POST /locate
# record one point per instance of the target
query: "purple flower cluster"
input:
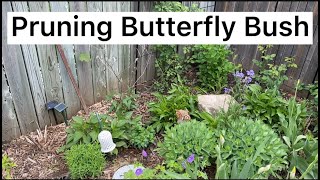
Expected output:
(246, 79)
(144, 153)
(227, 90)
(238, 74)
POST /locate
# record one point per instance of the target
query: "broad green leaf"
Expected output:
(84, 57)
(286, 140)
(78, 119)
(77, 136)
(93, 135)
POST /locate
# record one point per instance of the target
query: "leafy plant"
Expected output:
(85, 160)
(192, 137)
(7, 165)
(163, 110)
(271, 75)
(122, 103)
(264, 104)
(86, 131)
(141, 137)
(296, 141)
(243, 138)
(169, 64)
(224, 170)
(213, 65)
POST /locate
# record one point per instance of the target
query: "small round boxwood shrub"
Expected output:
(182, 140)
(243, 136)
(85, 160)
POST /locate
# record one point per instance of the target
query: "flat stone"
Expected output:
(213, 103)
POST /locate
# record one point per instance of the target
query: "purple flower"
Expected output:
(138, 172)
(144, 153)
(227, 90)
(250, 73)
(184, 165)
(190, 158)
(248, 80)
(239, 74)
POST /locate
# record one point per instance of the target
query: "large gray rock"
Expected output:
(213, 103)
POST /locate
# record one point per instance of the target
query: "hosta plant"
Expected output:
(242, 137)
(85, 160)
(187, 138)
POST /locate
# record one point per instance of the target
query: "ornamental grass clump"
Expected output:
(85, 160)
(192, 137)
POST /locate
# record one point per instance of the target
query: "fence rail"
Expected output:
(33, 75)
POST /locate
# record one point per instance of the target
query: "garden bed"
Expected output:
(41, 161)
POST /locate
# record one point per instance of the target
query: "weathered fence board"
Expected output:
(10, 126)
(34, 75)
(70, 96)
(84, 69)
(18, 79)
(49, 64)
(145, 55)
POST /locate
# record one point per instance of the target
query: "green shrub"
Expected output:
(182, 140)
(122, 103)
(7, 165)
(169, 64)
(242, 137)
(264, 104)
(85, 160)
(86, 131)
(213, 65)
(271, 75)
(141, 137)
(163, 110)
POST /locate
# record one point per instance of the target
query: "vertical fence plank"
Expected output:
(34, 74)
(98, 61)
(10, 126)
(84, 69)
(18, 79)
(70, 95)
(133, 51)
(49, 65)
(125, 51)
(112, 54)
(299, 52)
(146, 58)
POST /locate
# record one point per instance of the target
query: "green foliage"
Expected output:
(264, 104)
(213, 65)
(224, 170)
(85, 160)
(271, 75)
(141, 137)
(122, 103)
(86, 131)
(163, 110)
(169, 64)
(182, 140)
(7, 165)
(85, 57)
(81, 131)
(243, 137)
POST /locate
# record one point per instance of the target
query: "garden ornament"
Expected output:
(119, 174)
(105, 139)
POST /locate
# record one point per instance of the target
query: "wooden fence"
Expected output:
(33, 75)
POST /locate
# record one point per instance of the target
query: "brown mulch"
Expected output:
(35, 153)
